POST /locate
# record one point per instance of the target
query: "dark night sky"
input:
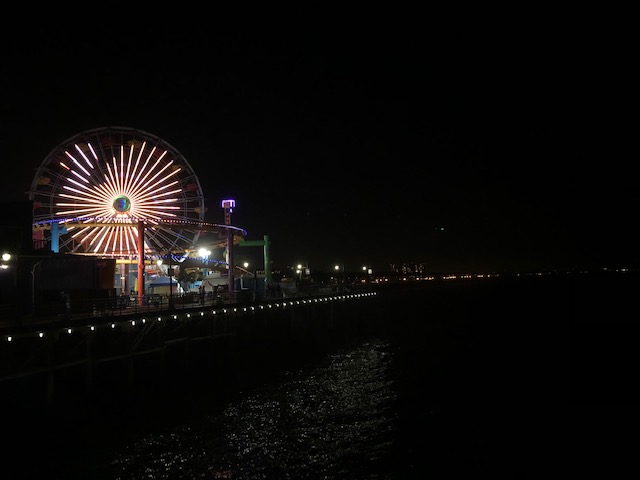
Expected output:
(356, 144)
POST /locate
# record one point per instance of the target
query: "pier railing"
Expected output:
(59, 358)
(125, 305)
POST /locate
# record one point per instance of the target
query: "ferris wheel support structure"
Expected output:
(141, 261)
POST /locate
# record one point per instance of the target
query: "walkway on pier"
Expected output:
(99, 311)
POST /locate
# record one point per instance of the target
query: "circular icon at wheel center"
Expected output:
(122, 204)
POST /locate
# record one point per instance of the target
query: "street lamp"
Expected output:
(204, 253)
(5, 259)
(337, 269)
(246, 266)
(299, 272)
(255, 280)
(368, 271)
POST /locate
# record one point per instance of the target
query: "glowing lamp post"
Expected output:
(246, 265)
(204, 253)
(368, 271)
(5, 261)
(5, 265)
(337, 269)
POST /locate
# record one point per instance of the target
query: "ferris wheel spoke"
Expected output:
(171, 236)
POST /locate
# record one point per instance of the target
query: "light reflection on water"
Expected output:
(334, 420)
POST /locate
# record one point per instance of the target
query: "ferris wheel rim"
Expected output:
(187, 205)
(97, 130)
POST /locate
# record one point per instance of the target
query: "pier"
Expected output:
(38, 362)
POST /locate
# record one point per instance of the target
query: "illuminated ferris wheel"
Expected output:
(92, 190)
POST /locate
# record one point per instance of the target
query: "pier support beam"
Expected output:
(56, 231)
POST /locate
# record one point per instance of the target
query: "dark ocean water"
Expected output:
(440, 381)
(602, 417)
